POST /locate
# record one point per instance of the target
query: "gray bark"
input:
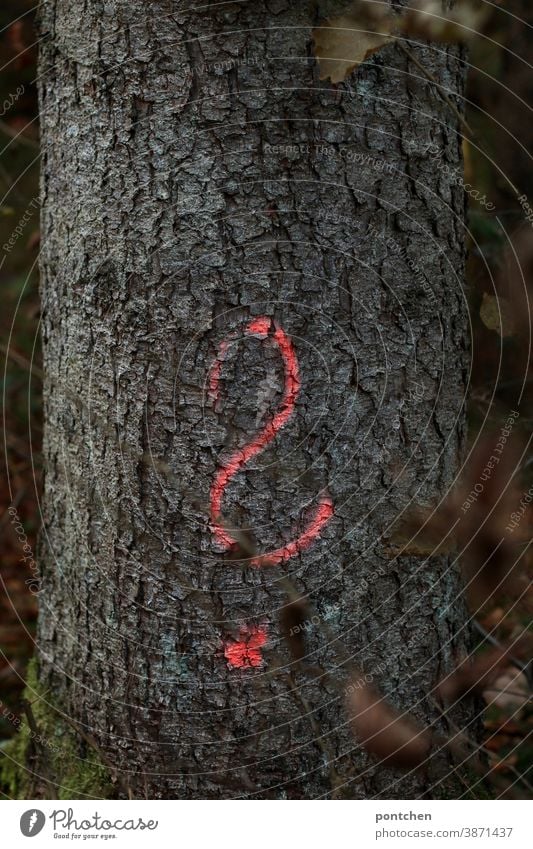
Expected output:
(167, 224)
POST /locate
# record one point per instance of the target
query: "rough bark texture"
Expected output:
(168, 222)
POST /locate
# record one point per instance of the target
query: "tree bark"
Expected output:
(197, 175)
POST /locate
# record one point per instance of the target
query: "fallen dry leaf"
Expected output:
(497, 314)
(395, 739)
(516, 278)
(474, 674)
(343, 43)
(426, 19)
(509, 690)
(473, 520)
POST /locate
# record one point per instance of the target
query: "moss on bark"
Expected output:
(51, 760)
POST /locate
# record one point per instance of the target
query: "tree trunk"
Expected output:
(235, 250)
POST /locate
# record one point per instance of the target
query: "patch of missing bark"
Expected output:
(55, 764)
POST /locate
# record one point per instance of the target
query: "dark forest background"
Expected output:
(499, 91)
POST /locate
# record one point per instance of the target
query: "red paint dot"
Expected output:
(246, 651)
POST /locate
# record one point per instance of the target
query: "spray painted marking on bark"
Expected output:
(265, 329)
(246, 651)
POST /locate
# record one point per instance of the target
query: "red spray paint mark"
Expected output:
(320, 517)
(246, 651)
(266, 329)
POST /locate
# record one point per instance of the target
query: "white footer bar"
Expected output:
(268, 824)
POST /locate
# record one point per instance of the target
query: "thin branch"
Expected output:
(464, 123)
(89, 739)
(18, 137)
(21, 361)
(15, 503)
(475, 746)
(36, 735)
(523, 667)
(334, 776)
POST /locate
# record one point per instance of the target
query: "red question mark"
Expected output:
(265, 329)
